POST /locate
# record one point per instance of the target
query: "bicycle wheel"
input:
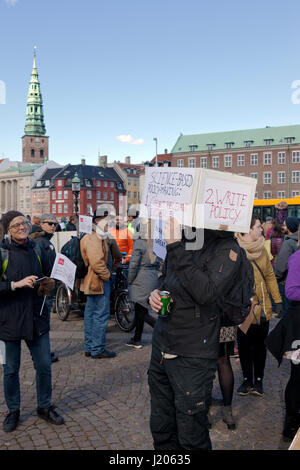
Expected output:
(63, 302)
(124, 312)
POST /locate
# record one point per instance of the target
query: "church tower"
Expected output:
(35, 141)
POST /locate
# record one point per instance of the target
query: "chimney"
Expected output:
(127, 160)
(166, 150)
(83, 161)
(102, 161)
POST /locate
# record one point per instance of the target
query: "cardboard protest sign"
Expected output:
(159, 244)
(64, 270)
(199, 197)
(85, 224)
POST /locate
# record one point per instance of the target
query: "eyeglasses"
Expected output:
(51, 223)
(17, 226)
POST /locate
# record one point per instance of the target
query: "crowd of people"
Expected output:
(190, 344)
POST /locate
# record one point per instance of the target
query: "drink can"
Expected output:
(165, 299)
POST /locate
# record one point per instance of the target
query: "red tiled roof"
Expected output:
(161, 157)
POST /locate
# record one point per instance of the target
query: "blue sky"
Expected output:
(146, 68)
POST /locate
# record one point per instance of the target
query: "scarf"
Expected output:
(253, 249)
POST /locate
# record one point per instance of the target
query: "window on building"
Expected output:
(134, 195)
(59, 194)
(254, 159)
(98, 183)
(59, 183)
(32, 153)
(87, 183)
(280, 193)
(295, 193)
(281, 177)
(129, 181)
(66, 208)
(267, 159)
(53, 208)
(268, 141)
(296, 157)
(53, 194)
(98, 195)
(229, 145)
(210, 147)
(241, 160)
(215, 162)
(295, 176)
(111, 196)
(180, 163)
(267, 178)
(203, 162)
(47, 183)
(89, 209)
(281, 158)
(248, 143)
(254, 175)
(105, 196)
(193, 148)
(256, 195)
(227, 161)
(129, 194)
(289, 140)
(267, 194)
(135, 182)
(105, 184)
(192, 162)
(89, 194)
(42, 153)
(66, 195)
(112, 184)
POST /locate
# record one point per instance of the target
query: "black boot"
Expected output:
(291, 425)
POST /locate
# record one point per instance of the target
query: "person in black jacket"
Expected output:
(71, 225)
(42, 239)
(23, 315)
(186, 342)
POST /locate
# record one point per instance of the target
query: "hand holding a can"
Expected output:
(160, 302)
(154, 300)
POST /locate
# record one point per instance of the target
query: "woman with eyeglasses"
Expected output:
(24, 316)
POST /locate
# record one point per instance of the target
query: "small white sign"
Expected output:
(85, 224)
(64, 270)
(159, 244)
(2, 353)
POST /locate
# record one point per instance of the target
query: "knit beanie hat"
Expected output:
(8, 217)
(292, 224)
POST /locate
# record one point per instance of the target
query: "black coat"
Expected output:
(71, 227)
(43, 240)
(196, 279)
(20, 309)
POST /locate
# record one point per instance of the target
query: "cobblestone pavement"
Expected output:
(106, 403)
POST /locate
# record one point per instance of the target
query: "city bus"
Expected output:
(266, 207)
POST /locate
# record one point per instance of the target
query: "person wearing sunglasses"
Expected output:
(48, 225)
(23, 316)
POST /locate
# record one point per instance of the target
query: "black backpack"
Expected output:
(71, 250)
(235, 305)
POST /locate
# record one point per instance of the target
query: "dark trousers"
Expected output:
(141, 316)
(252, 350)
(40, 353)
(285, 301)
(292, 391)
(180, 391)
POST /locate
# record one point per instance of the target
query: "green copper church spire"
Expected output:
(34, 113)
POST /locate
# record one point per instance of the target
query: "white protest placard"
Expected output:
(199, 197)
(64, 270)
(159, 244)
(2, 353)
(85, 224)
(168, 192)
(227, 200)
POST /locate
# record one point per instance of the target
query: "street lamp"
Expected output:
(154, 138)
(76, 190)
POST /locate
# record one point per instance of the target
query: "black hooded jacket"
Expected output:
(20, 309)
(196, 280)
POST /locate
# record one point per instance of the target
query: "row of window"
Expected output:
(64, 209)
(89, 183)
(33, 153)
(248, 143)
(65, 195)
(134, 182)
(281, 177)
(267, 160)
(135, 194)
(268, 194)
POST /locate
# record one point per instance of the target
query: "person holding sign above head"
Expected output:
(185, 342)
(252, 350)
(24, 315)
(96, 286)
